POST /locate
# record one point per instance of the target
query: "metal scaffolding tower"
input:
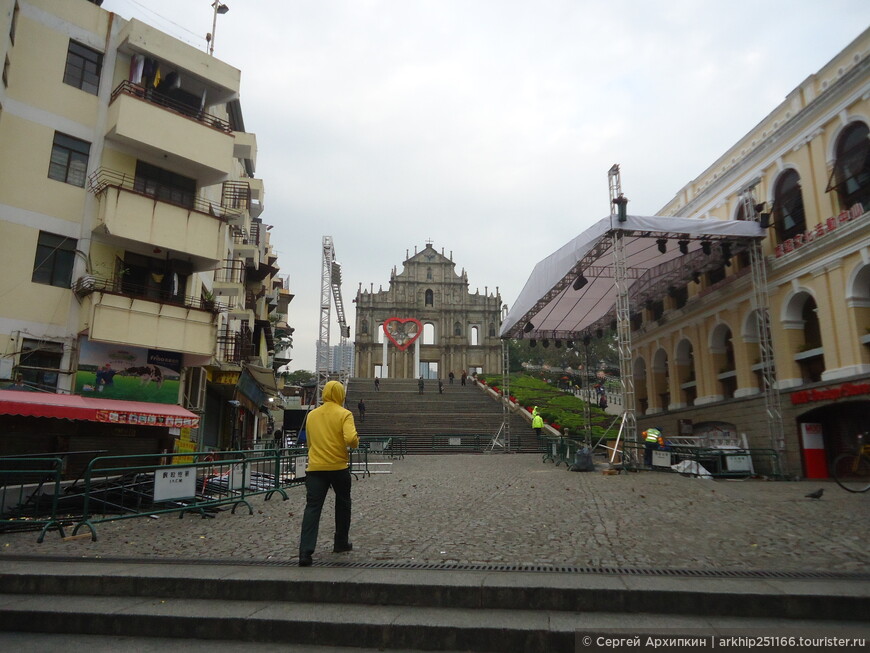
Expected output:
(330, 291)
(628, 429)
(761, 302)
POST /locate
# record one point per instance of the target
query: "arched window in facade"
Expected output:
(788, 206)
(381, 333)
(430, 297)
(364, 327)
(492, 329)
(474, 336)
(801, 314)
(457, 329)
(851, 176)
(428, 333)
(429, 274)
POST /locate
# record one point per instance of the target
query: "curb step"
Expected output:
(402, 609)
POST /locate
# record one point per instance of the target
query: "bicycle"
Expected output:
(851, 471)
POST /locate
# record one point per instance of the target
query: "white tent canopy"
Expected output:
(550, 307)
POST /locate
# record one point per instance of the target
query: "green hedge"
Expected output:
(556, 407)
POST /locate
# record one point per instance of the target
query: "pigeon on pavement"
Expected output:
(816, 495)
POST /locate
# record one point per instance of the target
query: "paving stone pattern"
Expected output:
(515, 509)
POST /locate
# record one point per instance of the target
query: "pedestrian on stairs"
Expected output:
(451, 376)
(331, 432)
(377, 384)
(537, 423)
(440, 387)
(420, 384)
(463, 378)
(361, 407)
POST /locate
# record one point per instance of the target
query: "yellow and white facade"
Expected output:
(129, 211)
(696, 359)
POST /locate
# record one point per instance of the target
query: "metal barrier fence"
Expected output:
(157, 484)
(121, 487)
(391, 447)
(29, 491)
(560, 450)
(703, 461)
(473, 442)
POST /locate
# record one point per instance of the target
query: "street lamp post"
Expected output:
(219, 8)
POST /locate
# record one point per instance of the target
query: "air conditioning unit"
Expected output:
(194, 389)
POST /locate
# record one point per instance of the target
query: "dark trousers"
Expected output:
(648, 448)
(317, 485)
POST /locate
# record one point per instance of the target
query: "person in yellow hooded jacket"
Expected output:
(331, 432)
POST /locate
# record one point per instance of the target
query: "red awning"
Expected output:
(114, 411)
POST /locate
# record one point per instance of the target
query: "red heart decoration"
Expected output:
(401, 335)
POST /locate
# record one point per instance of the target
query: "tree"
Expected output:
(299, 377)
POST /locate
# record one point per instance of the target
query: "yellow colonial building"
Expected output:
(697, 365)
(137, 267)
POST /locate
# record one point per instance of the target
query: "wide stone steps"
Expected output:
(427, 420)
(404, 609)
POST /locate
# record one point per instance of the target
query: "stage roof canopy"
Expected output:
(550, 303)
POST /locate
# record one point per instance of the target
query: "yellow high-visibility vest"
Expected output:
(652, 435)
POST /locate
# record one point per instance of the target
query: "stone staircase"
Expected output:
(462, 419)
(371, 608)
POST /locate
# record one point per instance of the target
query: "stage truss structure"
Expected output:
(330, 292)
(635, 286)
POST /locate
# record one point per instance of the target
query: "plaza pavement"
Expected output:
(514, 509)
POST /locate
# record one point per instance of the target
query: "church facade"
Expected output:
(434, 325)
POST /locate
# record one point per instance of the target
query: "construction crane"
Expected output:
(330, 292)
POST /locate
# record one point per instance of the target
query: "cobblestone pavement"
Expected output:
(517, 510)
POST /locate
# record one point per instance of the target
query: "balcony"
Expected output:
(120, 313)
(221, 79)
(245, 147)
(148, 121)
(246, 245)
(229, 279)
(237, 195)
(234, 347)
(188, 225)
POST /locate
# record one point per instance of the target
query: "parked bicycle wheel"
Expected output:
(852, 472)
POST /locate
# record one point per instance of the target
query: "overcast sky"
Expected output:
(488, 126)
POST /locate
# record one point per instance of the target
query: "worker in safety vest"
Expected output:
(651, 438)
(537, 423)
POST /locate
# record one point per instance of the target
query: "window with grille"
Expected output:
(53, 263)
(83, 67)
(851, 174)
(788, 206)
(69, 160)
(40, 363)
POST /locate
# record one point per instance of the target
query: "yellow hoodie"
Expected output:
(330, 431)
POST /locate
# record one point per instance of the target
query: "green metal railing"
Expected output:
(122, 487)
(558, 449)
(29, 491)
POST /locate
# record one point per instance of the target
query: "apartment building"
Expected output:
(138, 267)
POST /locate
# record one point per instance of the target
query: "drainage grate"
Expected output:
(432, 566)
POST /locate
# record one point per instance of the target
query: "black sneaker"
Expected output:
(305, 560)
(342, 548)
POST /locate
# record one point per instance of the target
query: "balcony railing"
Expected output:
(104, 178)
(232, 271)
(153, 97)
(234, 346)
(117, 286)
